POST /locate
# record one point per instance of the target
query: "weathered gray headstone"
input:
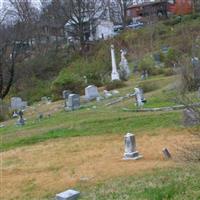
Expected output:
(130, 148)
(73, 102)
(196, 68)
(66, 94)
(91, 92)
(17, 103)
(190, 117)
(68, 195)
(21, 120)
(166, 153)
(44, 99)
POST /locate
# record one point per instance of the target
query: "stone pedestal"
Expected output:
(130, 148)
(114, 74)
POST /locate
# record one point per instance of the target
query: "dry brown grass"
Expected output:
(53, 166)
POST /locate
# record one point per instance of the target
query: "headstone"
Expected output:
(165, 49)
(21, 120)
(15, 115)
(157, 58)
(107, 94)
(40, 116)
(166, 153)
(24, 104)
(91, 92)
(44, 99)
(73, 102)
(99, 98)
(17, 103)
(130, 148)
(68, 195)
(66, 93)
(124, 68)
(115, 92)
(190, 117)
(144, 75)
(114, 74)
(196, 68)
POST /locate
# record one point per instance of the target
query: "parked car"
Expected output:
(136, 25)
(118, 28)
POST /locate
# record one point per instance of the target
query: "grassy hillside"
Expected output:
(55, 71)
(83, 149)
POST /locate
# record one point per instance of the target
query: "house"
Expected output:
(147, 8)
(142, 8)
(99, 27)
(180, 7)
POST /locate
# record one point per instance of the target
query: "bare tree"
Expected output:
(83, 17)
(118, 10)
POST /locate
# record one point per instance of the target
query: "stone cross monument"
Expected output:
(114, 74)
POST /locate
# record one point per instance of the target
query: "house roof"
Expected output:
(147, 4)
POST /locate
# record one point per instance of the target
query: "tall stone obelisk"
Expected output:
(115, 74)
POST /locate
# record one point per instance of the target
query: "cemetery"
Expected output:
(119, 121)
(90, 143)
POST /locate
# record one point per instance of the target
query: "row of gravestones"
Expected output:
(72, 101)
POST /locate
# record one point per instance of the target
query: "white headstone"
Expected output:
(91, 92)
(68, 195)
(130, 148)
(114, 74)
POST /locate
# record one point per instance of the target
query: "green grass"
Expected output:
(171, 184)
(84, 122)
(99, 121)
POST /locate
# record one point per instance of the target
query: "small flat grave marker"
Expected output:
(68, 195)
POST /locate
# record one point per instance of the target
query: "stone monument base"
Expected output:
(132, 156)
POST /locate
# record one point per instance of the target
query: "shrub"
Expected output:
(168, 71)
(173, 21)
(67, 80)
(114, 85)
(170, 58)
(147, 63)
(148, 86)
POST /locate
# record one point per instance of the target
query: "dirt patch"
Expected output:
(53, 166)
